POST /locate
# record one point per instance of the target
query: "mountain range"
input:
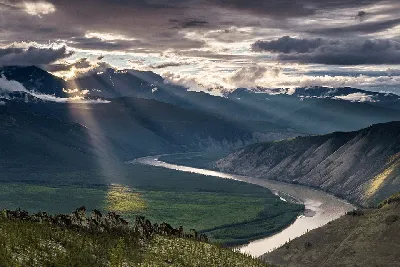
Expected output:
(121, 115)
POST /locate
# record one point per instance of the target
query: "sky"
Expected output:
(211, 45)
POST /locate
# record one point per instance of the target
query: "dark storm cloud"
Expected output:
(190, 23)
(168, 64)
(99, 44)
(32, 56)
(148, 20)
(290, 8)
(364, 28)
(82, 63)
(287, 45)
(333, 52)
(361, 15)
(155, 26)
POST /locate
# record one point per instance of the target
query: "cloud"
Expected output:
(7, 86)
(94, 68)
(288, 45)
(95, 43)
(363, 28)
(189, 23)
(333, 52)
(39, 8)
(32, 56)
(82, 63)
(356, 97)
(276, 77)
(168, 64)
(290, 9)
(252, 76)
(213, 36)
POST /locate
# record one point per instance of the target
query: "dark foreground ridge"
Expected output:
(105, 240)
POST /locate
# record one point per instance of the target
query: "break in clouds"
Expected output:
(209, 44)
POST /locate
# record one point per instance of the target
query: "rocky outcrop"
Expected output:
(361, 166)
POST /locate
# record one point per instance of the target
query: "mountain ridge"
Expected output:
(360, 166)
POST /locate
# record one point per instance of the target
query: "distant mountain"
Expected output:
(313, 110)
(361, 238)
(340, 93)
(320, 110)
(131, 127)
(361, 166)
(35, 79)
(271, 113)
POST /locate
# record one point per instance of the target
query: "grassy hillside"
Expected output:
(361, 238)
(104, 241)
(360, 166)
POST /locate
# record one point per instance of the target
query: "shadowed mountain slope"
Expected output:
(361, 166)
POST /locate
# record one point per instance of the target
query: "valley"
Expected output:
(229, 212)
(281, 156)
(320, 208)
(205, 133)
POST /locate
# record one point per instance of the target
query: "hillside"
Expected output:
(361, 166)
(131, 127)
(105, 240)
(32, 140)
(361, 238)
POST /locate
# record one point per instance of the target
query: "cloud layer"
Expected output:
(31, 56)
(231, 43)
(333, 52)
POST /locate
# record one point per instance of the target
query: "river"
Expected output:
(321, 207)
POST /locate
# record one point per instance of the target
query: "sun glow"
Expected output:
(107, 36)
(381, 179)
(39, 8)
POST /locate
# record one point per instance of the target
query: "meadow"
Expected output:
(230, 212)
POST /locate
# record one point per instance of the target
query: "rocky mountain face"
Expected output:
(361, 166)
(360, 238)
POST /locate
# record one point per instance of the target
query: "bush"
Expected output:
(355, 213)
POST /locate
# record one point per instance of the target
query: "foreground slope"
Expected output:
(105, 240)
(360, 238)
(361, 166)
